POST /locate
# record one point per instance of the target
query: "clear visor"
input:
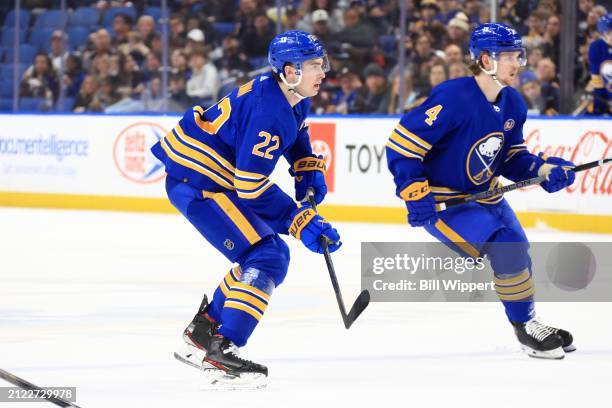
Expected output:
(315, 64)
(518, 56)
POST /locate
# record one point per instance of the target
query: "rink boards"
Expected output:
(103, 162)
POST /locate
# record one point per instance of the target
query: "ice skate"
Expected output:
(197, 337)
(231, 372)
(541, 341)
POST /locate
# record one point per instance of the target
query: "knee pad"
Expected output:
(268, 260)
(508, 252)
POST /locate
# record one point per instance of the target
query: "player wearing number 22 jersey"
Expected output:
(465, 136)
(218, 163)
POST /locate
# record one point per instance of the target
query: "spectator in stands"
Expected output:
(515, 12)
(135, 47)
(102, 45)
(378, 19)
(320, 25)
(73, 75)
(342, 99)
(245, 16)
(178, 91)
(535, 24)
(373, 97)
(546, 73)
(131, 80)
(356, 33)
(453, 53)
(152, 67)
(539, 100)
(430, 11)
(334, 15)
(177, 37)
(459, 31)
(230, 59)
(195, 40)
(437, 75)
(40, 80)
(122, 25)
(473, 8)
(86, 99)
(551, 41)
(423, 58)
(100, 66)
(107, 94)
(257, 38)
(395, 105)
(146, 28)
(204, 82)
(58, 51)
(292, 19)
(534, 56)
(457, 70)
(178, 64)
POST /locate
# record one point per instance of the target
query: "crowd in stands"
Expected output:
(108, 54)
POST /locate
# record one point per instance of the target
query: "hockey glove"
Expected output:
(308, 226)
(309, 172)
(420, 203)
(559, 173)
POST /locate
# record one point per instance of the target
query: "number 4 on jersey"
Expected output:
(432, 114)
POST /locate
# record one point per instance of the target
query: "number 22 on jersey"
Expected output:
(432, 114)
(268, 139)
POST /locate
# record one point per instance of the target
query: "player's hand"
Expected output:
(309, 173)
(420, 203)
(559, 173)
(309, 227)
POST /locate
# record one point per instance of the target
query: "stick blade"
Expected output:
(363, 300)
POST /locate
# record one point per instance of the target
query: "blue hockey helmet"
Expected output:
(495, 38)
(604, 24)
(295, 47)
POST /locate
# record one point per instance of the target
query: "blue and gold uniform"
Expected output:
(218, 163)
(456, 144)
(600, 65)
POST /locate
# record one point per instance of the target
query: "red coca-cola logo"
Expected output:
(592, 145)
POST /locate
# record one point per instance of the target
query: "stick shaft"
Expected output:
(525, 183)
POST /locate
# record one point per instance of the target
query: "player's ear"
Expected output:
(288, 69)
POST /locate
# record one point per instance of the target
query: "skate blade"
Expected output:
(555, 354)
(219, 380)
(569, 349)
(194, 357)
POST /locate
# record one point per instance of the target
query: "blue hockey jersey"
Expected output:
(461, 143)
(600, 63)
(235, 145)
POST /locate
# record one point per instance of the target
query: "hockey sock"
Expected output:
(243, 308)
(216, 306)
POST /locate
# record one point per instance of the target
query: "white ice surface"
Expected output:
(98, 301)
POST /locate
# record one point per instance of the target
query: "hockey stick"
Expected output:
(510, 187)
(362, 301)
(26, 385)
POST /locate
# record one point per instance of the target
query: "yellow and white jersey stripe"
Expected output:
(251, 185)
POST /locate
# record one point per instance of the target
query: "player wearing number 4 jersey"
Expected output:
(218, 162)
(464, 136)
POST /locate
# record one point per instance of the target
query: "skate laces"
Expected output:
(538, 330)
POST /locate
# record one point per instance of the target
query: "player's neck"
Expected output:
(487, 85)
(292, 98)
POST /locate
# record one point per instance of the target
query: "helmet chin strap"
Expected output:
(293, 87)
(493, 74)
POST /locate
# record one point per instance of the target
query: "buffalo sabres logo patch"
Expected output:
(509, 125)
(481, 160)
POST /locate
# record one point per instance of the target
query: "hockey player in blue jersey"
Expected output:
(600, 65)
(465, 136)
(218, 162)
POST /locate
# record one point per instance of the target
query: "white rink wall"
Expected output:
(103, 162)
